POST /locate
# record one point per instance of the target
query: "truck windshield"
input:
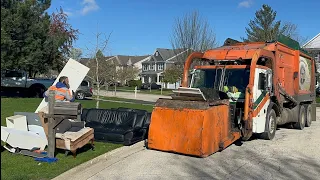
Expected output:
(231, 81)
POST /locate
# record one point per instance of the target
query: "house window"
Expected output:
(160, 67)
(145, 67)
(151, 66)
(157, 53)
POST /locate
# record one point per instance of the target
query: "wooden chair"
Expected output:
(70, 135)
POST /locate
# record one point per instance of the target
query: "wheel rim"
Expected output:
(80, 95)
(309, 115)
(271, 125)
(303, 120)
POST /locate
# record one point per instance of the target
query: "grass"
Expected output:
(19, 167)
(165, 92)
(318, 99)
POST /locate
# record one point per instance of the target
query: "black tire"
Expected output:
(271, 126)
(308, 115)
(80, 95)
(37, 91)
(301, 119)
(146, 143)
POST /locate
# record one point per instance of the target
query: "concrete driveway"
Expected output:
(293, 154)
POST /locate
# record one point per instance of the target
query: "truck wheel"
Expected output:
(80, 95)
(271, 126)
(301, 119)
(37, 91)
(308, 115)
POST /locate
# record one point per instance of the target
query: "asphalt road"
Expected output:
(293, 154)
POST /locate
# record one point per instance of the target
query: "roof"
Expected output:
(314, 43)
(85, 61)
(168, 53)
(125, 60)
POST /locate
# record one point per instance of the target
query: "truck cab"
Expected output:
(232, 81)
(17, 81)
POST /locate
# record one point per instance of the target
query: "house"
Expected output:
(313, 46)
(156, 64)
(122, 61)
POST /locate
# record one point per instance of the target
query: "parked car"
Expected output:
(18, 81)
(84, 90)
(152, 85)
(318, 91)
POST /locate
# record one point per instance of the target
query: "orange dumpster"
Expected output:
(190, 127)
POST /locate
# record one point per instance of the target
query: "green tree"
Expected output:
(265, 27)
(25, 26)
(31, 39)
(172, 74)
(75, 53)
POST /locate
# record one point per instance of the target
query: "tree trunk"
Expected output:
(98, 96)
(98, 83)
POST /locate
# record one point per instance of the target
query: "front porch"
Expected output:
(157, 78)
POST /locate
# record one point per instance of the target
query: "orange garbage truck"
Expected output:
(233, 92)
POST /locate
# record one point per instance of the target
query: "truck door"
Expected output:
(261, 101)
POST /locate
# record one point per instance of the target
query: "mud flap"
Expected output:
(314, 111)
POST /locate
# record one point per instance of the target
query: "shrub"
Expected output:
(134, 83)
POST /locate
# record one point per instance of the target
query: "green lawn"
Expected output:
(318, 99)
(19, 167)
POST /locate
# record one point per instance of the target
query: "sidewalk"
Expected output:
(130, 95)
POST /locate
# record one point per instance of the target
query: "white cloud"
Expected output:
(245, 4)
(68, 13)
(89, 5)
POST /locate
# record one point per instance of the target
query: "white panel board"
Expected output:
(75, 71)
(22, 139)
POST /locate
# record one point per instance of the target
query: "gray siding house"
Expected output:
(153, 68)
(314, 46)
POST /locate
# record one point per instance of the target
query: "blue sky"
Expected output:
(140, 26)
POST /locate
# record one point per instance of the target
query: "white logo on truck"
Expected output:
(305, 76)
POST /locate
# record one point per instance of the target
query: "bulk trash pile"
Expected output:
(24, 133)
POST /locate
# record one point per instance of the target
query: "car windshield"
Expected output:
(231, 81)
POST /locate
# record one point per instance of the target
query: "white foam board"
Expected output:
(22, 139)
(18, 122)
(75, 71)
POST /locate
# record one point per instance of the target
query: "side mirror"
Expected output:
(295, 75)
(262, 84)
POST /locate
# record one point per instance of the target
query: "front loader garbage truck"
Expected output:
(238, 90)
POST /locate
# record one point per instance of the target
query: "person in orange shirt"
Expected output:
(62, 90)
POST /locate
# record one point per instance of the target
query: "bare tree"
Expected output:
(291, 30)
(75, 53)
(192, 32)
(127, 73)
(99, 67)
